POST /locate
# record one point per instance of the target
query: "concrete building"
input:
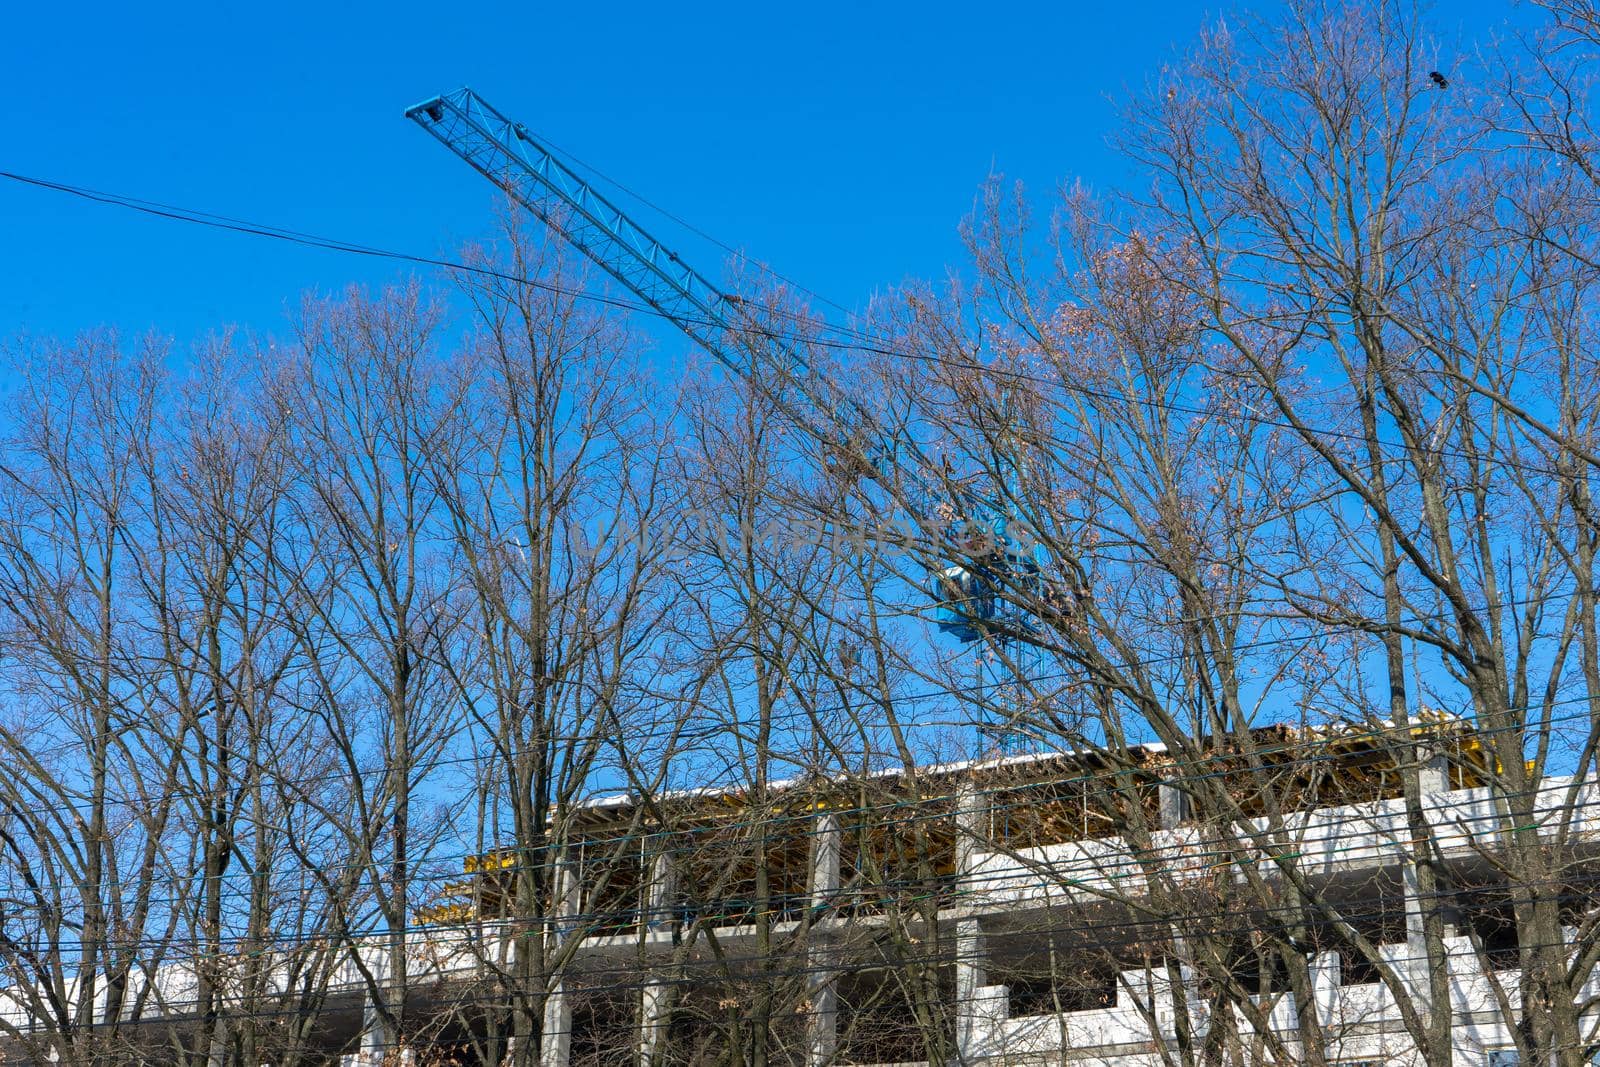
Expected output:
(996, 912)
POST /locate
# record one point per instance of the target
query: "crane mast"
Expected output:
(529, 172)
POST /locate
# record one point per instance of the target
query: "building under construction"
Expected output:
(1028, 909)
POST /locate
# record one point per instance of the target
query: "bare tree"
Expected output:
(87, 799)
(365, 561)
(1302, 431)
(550, 469)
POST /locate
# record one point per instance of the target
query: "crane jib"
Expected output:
(504, 151)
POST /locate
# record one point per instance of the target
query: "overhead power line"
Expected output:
(856, 340)
(1255, 918)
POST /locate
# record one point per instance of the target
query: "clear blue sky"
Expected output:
(840, 142)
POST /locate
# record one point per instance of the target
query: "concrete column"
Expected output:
(219, 1043)
(1173, 808)
(655, 999)
(555, 1035)
(972, 834)
(376, 1044)
(1325, 978)
(1434, 774)
(1414, 906)
(824, 874)
(1417, 966)
(1434, 779)
(822, 1025)
(1174, 805)
(376, 1037)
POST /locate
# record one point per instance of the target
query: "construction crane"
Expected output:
(970, 604)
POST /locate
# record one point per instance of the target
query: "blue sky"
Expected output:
(841, 143)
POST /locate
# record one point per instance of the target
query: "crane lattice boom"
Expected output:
(530, 173)
(508, 155)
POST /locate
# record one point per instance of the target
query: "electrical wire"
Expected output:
(807, 715)
(1163, 925)
(1274, 922)
(1197, 854)
(864, 345)
(1129, 929)
(282, 234)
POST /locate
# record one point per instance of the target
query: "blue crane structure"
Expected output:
(968, 593)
